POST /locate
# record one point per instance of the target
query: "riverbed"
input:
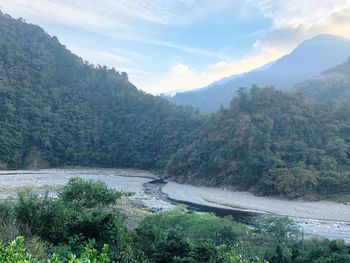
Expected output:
(130, 182)
(321, 218)
(327, 219)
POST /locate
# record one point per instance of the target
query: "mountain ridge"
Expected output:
(332, 85)
(308, 59)
(58, 110)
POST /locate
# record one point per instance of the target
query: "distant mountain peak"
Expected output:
(321, 40)
(325, 37)
(307, 60)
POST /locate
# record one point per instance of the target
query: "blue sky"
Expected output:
(169, 45)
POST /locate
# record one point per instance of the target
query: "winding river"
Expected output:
(326, 219)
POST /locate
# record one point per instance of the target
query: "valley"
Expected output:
(97, 164)
(323, 219)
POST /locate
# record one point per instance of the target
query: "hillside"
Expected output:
(330, 85)
(272, 143)
(309, 59)
(59, 110)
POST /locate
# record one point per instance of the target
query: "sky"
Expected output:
(167, 46)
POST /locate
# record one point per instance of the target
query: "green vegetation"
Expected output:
(16, 252)
(59, 110)
(195, 227)
(83, 220)
(38, 229)
(332, 85)
(83, 215)
(273, 143)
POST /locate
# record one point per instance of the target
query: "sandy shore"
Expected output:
(326, 219)
(127, 181)
(321, 210)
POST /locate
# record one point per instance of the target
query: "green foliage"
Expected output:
(57, 109)
(230, 255)
(280, 228)
(58, 229)
(324, 251)
(195, 226)
(69, 225)
(88, 194)
(331, 86)
(16, 252)
(73, 220)
(282, 234)
(8, 227)
(179, 236)
(271, 142)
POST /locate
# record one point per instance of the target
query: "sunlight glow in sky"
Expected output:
(177, 45)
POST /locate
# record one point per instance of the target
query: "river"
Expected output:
(158, 195)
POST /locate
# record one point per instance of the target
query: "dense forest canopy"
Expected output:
(271, 142)
(57, 109)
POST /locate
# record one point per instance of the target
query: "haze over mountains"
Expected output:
(330, 85)
(309, 59)
(58, 110)
(65, 119)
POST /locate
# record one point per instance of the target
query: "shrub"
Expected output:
(88, 194)
(16, 252)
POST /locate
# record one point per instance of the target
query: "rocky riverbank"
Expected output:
(324, 218)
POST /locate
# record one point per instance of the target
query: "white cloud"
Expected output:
(181, 77)
(157, 11)
(181, 69)
(197, 51)
(58, 12)
(292, 13)
(292, 22)
(297, 20)
(103, 14)
(115, 18)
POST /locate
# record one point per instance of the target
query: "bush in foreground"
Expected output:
(16, 252)
(83, 220)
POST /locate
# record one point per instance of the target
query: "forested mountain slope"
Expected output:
(273, 143)
(58, 110)
(331, 85)
(309, 59)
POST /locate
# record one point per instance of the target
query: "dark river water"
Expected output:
(154, 188)
(310, 227)
(150, 192)
(244, 217)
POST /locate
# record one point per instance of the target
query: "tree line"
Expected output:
(58, 110)
(272, 143)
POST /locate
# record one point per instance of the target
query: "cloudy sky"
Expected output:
(173, 45)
